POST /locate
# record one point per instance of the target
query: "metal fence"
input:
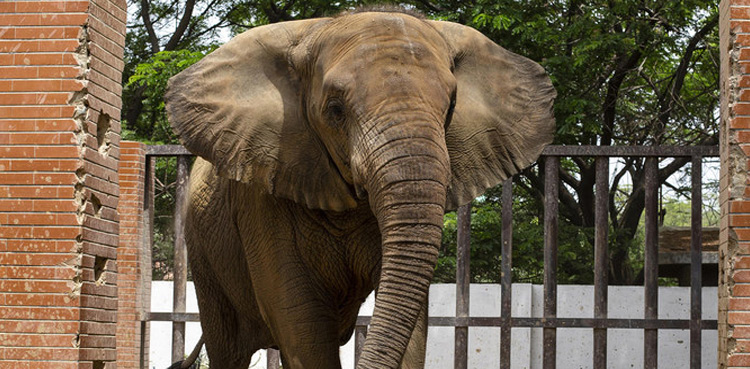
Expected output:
(549, 322)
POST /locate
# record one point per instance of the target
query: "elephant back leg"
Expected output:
(226, 343)
(232, 326)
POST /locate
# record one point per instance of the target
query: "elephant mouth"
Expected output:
(360, 191)
(353, 186)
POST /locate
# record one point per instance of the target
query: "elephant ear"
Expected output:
(503, 117)
(240, 109)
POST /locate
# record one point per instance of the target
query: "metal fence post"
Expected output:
(463, 279)
(551, 194)
(180, 258)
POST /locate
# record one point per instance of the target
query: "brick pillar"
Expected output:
(60, 86)
(734, 251)
(133, 258)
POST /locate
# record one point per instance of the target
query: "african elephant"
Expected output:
(329, 151)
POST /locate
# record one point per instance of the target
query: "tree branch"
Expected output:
(670, 97)
(146, 17)
(624, 65)
(182, 26)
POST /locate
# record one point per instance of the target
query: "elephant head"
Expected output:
(414, 116)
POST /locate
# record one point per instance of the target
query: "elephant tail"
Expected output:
(190, 360)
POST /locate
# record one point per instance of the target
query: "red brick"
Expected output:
(742, 262)
(739, 13)
(31, 219)
(34, 192)
(743, 234)
(67, 125)
(67, 138)
(47, 327)
(741, 290)
(741, 332)
(52, 98)
(34, 340)
(738, 360)
(20, 19)
(57, 353)
(740, 122)
(46, 165)
(19, 46)
(13, 72)
(34, 112)
(39, 313)
(77, 6)
(39, 59)
(743, 136)
(37, 272)
(35, 259)
(56, 232)
(47, 32)
(739, 206)
(738, 317)
(16, 152)
(60, 72)
(43, 246)
(40, 7)
(55, 178)
(56, 152)
(54, 205)
(739, 26)
(739, 220)
(738, 303)
(35, 286)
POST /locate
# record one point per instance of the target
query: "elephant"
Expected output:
(328, 152)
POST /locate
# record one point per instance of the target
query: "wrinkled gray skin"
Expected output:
(330, 151)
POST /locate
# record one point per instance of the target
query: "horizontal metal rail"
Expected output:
(553, 150)
(500, 322)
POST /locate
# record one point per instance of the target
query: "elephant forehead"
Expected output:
(376, 32)
(392, 48)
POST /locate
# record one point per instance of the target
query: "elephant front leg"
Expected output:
(302, 324)
(307, 346)
(414, 357)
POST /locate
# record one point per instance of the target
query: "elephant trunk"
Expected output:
(407, 193)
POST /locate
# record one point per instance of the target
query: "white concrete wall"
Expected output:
(574, 345)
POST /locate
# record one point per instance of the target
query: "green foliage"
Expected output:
(152, 76)
(165, 184)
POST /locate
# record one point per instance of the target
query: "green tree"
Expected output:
(627, 73)
(630, 72)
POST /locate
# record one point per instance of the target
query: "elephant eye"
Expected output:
(335, 112)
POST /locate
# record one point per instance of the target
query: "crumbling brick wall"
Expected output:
(60, 87)
(133, 258)
(734, 250)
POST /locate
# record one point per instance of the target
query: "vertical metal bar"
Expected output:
(142, 349)
(272, 359)
(360, 334)
(180, 258)
(506, 277)
(651, 263)
(601, 259)
(463, 277)
(551, 193)
(148, 246)
(696, 245)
